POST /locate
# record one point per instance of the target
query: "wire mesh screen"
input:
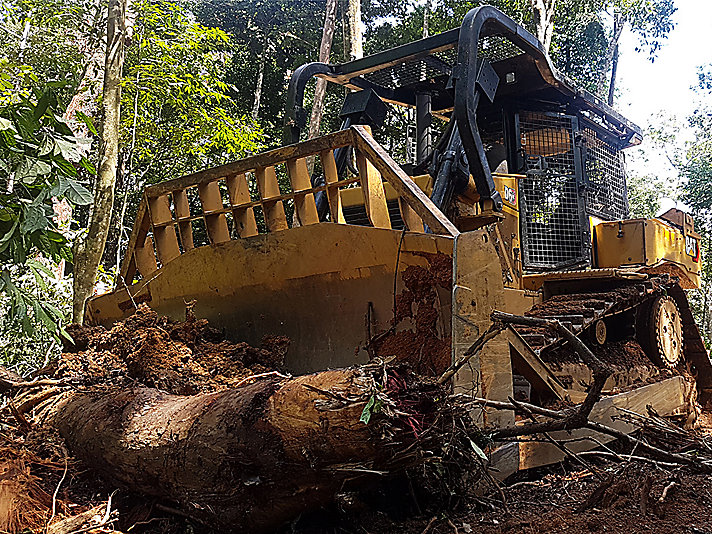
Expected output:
(604, 165)
(440, 63)
(549, 195)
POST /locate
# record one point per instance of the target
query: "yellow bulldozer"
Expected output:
(501, 186)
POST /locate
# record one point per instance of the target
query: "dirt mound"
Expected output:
(183, 358)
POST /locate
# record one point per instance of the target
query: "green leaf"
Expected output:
(87, 120)
(478, 451)
(66, 167)
(5, 240)
(88, 165)
(77, 193)
(68, 149)
(34, 219)
(47, 146)
(45, 100)
(366, 413)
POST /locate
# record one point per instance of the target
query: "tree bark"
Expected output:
(355, 30)
(426, 19)
(619, 21)
(327, 37)
(246, 459)
(543, 11)
(90, 248)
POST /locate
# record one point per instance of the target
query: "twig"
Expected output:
(251, 377)
(17, 414)
(395, 273)
(666, 489)
(56, 492)
(9, 385)
(104, 520)
(645, 494)
(430, 524)
(556, 443)
(629, 458)
(681, 458)
(449, 522)
(475, 348)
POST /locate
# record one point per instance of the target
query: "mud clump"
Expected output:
(183, 358)
(417, 334)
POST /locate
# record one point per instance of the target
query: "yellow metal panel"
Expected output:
(646, 242)
(508, 187)
(621, 243)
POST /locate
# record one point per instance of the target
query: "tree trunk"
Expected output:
(355, 30)
(543, 11)
(90, 248)
(426, 19)
(327, 38)
(246, 459)
(611, 54)
(614, 71)
(260, 78)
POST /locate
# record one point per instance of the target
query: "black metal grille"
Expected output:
(606, 194)
(414, 71)
(356, 214)
(497, 48)
(438, 64)
(550, 205)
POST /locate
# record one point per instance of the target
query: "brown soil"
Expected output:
(551, 500)
(553, 504)
(183, 358)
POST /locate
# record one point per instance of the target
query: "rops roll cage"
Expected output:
(490, 48)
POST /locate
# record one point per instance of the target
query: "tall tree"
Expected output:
(327, 39)
(90, 248)
(355, 30)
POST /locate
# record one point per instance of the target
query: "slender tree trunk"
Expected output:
(611, 54)
(260, 78)
(355, 30)
(90, 248)
(25, 37)
(426, 19)
(614, 71)
(327, 37)
(543, 11)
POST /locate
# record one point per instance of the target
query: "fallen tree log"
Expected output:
(217, 431)
(249, 458)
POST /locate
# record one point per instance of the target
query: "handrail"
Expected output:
(251, 194)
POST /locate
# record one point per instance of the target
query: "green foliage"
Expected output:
(40, 160)
(22, 352)
(645, 193)
(650, 20)
(55, 37)
(177, 115)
